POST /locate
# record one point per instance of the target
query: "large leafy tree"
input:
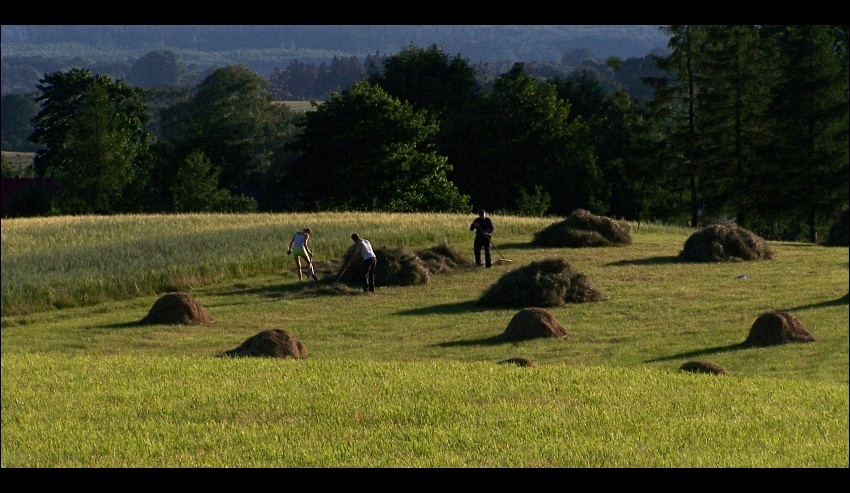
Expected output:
(607, 116)
(195, 188)
(17, 112)
(519, 139)
(95, 140)
(158, 68)
(427, 78)
(366, 150)
(232, 119)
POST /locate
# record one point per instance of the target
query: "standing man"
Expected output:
(299, 245)
(483, 227)
(363, 250)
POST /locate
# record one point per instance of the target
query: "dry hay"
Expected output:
(272, 343)
(718, 242)
(442, 259)
(550, 282)
(583, 229)
(703, 367)
(838, 232)
(403, 267)
(774, 328)
(523, 362)
(177, 308)
(531, 323)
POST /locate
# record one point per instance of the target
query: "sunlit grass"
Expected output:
(408, 376)
(131, 411)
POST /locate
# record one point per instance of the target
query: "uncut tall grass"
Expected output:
(60, 262)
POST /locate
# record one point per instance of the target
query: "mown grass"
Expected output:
(407, 377)
(131, 411)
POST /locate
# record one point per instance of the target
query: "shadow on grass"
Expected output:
(823, 304)
(125, 325)
(669, 259)
(514, 246)
(700, 352)
(306, 289)
(486, 341)
(470, 306)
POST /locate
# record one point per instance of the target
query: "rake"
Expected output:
(501, 260)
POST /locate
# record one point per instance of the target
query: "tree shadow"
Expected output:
(700, 352)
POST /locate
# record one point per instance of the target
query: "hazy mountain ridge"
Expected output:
(487, 43)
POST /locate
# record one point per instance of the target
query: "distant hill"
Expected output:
(263, 47)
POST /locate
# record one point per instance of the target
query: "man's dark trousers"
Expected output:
(482, 241)
(367, 273)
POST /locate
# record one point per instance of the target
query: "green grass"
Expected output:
(407, 377)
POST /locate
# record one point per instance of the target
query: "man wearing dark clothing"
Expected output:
(483, 227)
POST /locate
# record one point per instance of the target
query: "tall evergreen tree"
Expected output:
(735, 77)
(808, 155)
(676, 110)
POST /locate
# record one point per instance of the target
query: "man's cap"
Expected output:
(481, 212)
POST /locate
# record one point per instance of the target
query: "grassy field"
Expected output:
(407, 376)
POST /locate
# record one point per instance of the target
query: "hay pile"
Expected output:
(774, 328)
(442, 259)
(838, 232)
(531, 323)
(583, 229)
(702, 367)
(404, 267)
(718, 242)
(550, 282)
(177, 308)
(272, 343)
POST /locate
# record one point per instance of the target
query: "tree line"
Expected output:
(302, 80)
(745, 122)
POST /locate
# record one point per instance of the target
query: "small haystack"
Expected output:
(523, 362)
(718, 242)
(551, 282)
(583, 229)
(838, 232)
(774, 328)
(531, 323)
(273, 343)
(702, 367)
(177, 308)
(442, 259)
